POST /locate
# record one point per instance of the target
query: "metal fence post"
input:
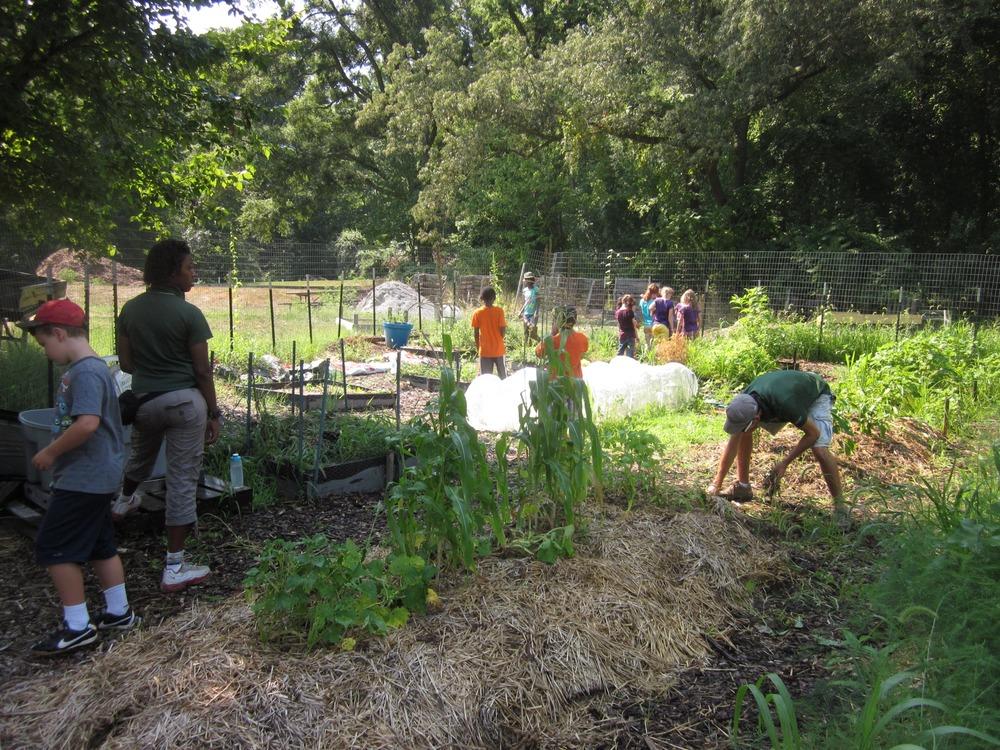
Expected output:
(270, 304)
(899, 313)
(309, 307)
(231, 333)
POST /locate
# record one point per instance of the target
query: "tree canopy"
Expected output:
(484, 126)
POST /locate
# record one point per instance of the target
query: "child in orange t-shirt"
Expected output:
(576, 345)
(489, 326)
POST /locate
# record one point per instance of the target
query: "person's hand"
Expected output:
(772, 482)
(212, 431)
(43, 460)
(711, 490)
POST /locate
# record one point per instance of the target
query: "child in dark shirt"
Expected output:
(627, 326)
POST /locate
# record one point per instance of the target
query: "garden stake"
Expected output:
(343, 366)
(899, 313)
(399, 358)
(309, 308)
(270, 304)
(86, 296)
(340, 308)
(230, 313)
(947, 408)
(293, 379)
(302, 404)
(373, 301)
(322, 422)
(454, 299)
(420, 311)
(822, 320)
(50, 366)
(458, 368)
(114, 302)
(249, 400)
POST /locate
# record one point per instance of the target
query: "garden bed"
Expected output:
(428, 383)
(358, 400)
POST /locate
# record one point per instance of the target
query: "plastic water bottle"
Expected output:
(235, 471)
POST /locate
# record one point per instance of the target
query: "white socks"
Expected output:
(76, 616)
(115, 600)
(175, 560)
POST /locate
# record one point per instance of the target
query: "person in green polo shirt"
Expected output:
(771, 401)
(163, 342)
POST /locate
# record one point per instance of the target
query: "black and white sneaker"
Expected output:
(66, 640)
(127, 621)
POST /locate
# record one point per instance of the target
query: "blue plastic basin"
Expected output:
(397, 334)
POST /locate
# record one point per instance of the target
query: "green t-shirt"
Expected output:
(787, 395)
(161, 327)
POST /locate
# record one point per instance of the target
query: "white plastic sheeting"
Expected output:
(617, 389)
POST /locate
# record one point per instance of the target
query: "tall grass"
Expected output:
(24, 381)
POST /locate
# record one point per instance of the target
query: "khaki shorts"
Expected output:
(180, 417)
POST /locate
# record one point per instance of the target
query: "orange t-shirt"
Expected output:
(576, 346)
(489, 321)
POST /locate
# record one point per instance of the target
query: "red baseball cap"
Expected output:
(57, 312)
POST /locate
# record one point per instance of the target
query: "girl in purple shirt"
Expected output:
(688, 315)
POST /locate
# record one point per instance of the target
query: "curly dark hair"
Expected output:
(164, 260)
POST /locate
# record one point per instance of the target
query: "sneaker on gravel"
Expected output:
(741, 493)
(65, 640)
(185, 575)
(127, 621)
(124, 505)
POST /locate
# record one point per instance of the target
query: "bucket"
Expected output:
(397, 334)
(36, 426)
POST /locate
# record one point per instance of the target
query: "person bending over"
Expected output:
(772, 400)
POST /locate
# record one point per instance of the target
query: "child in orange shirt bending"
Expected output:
(489, 326)
(576, 344)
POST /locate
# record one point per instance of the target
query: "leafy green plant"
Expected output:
(562, 448)
(731, 361)
(785, 734)
(630, 461)
(329, 591)
(446, 494)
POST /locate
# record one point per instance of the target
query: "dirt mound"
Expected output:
(77, 262)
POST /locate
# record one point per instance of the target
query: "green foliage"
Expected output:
(785, 734)
(630, 459)
(730, 361)
(563, 457)
(930, 670)
(330, 590)
(445, 497)
(923, 376)
(25, 372)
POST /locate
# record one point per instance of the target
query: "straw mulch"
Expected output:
(514, 658)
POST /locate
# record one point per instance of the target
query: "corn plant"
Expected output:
(785, 734)
(446, 497)
(562, 448)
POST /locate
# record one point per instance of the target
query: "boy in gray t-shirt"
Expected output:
(85, 457)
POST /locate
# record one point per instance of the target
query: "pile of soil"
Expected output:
(79, 262)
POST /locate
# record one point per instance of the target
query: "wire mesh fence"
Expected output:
(271, 294)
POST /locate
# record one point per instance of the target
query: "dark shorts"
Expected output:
(76, 528)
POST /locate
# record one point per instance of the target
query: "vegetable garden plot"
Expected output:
(516, 655)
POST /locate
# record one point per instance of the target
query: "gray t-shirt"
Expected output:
(96, 466)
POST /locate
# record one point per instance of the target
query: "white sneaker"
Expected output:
(180, 578)
(124, 505)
